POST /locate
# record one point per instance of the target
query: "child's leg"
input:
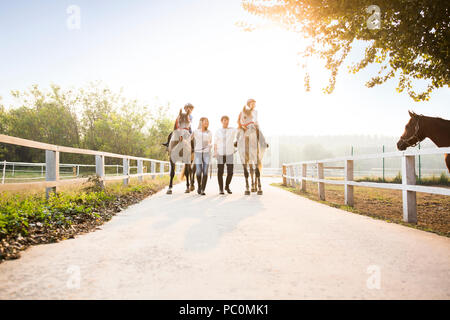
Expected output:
(168, 139)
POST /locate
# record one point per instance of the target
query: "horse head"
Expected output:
(184, 121)
(413, 133)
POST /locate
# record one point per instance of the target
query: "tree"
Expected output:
(41, 116)
(92, 117)
(3, 129)
(161, 126)
(409, 39)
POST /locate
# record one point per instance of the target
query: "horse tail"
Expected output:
(182, 172)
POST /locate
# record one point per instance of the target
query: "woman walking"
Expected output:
(202, 149)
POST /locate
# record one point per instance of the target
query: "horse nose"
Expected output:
(400, 145)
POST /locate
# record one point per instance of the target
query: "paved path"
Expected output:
(275, 246)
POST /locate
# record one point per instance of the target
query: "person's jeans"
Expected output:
(201, 160)
(221, 161)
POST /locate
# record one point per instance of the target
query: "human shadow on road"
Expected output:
(215, 216)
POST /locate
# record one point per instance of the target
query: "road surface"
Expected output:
(276, 246)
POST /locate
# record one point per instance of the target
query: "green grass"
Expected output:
(19, 210)
(442, 180)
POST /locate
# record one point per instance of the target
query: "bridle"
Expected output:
(414, 136)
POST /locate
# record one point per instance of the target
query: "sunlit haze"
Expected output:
(192, 51)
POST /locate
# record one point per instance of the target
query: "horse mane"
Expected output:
(246, 111)
(428, 117)
(441, 120)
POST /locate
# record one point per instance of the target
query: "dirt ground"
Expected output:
(433, 211)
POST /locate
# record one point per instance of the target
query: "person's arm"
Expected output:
(215, 143)
(209, 141)
(255, 117)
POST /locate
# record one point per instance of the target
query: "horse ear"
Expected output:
(411, 114)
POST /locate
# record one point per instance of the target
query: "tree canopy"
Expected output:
(409, 39)
(92, 117)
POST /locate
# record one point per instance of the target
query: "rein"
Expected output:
(414, 136)
(247, 124)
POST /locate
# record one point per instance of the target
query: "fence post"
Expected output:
(140, 170)
(349, 201)
(126, 170)
(304, 173)
(321, 185)
(289, 180)
(4, 172)
(283, 174)
(383, 164)
(293, 176)
(420, 166)
(153, 169)
(51, 170)
(100, 168)
(295, 169)
(161, 169)
(409, 197)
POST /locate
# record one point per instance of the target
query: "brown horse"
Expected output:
(420, 127)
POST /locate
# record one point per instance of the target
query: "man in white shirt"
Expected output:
(223, 151)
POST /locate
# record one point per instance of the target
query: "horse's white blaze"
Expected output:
(180, 151)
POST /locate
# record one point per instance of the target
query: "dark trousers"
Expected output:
(228, 160)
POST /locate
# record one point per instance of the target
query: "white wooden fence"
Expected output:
(39, 173)
(52, 164)
(294, 174)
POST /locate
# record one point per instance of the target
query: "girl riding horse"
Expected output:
(251, 146)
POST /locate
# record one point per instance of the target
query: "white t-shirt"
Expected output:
(224, 140)
(202, 140)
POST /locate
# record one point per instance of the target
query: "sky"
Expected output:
(192, 51)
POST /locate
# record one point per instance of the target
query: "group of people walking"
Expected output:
(221, 146)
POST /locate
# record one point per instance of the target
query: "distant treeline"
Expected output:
(304, 148)
(92, 117)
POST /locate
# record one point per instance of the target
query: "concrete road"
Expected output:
(275, 246)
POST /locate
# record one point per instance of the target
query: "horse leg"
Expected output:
(172, 174)
(258, 178)
(247, 192)
(447, 161)
(187, 174)
(252, 174)
(193, 169)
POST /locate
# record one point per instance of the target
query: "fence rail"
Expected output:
(295, 174)
(52, 165)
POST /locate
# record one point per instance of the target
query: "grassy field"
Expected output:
(28, 218)
(442, 180)
(433, 211)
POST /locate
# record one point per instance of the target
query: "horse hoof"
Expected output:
(253, 190)
(260, 192)
(169, 191)
(247, 193)
(186, 191)
(192, 188)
